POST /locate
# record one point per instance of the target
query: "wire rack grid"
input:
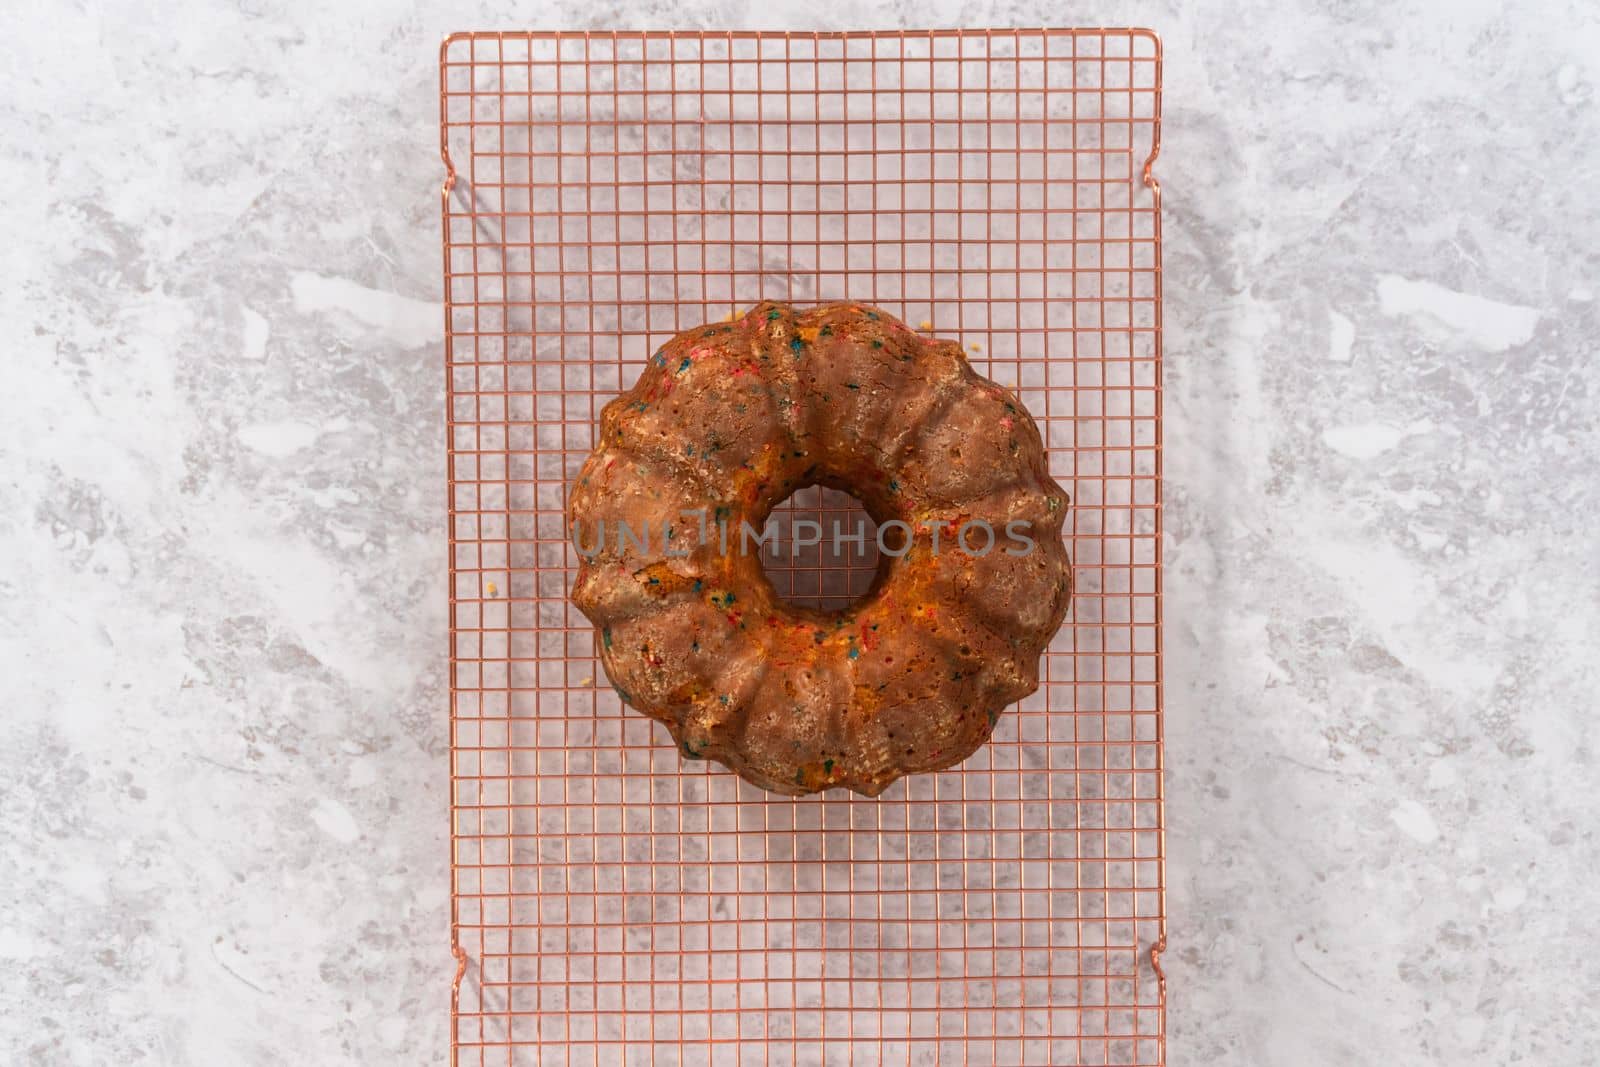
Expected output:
(613, 904)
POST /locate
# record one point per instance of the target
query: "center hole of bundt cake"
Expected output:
(823, 553)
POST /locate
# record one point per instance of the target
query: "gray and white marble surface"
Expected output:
(223, 813)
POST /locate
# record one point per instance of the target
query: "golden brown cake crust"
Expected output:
(728, 420)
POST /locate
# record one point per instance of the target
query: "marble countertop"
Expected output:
(222, 625)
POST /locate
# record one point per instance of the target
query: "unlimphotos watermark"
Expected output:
(895, 537)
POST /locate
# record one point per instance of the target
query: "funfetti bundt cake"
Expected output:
(728, 420)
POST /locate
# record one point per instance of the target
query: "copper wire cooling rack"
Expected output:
(616, 905)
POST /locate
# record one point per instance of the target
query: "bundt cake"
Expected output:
(726, 421)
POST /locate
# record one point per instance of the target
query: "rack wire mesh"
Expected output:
(612, 904)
